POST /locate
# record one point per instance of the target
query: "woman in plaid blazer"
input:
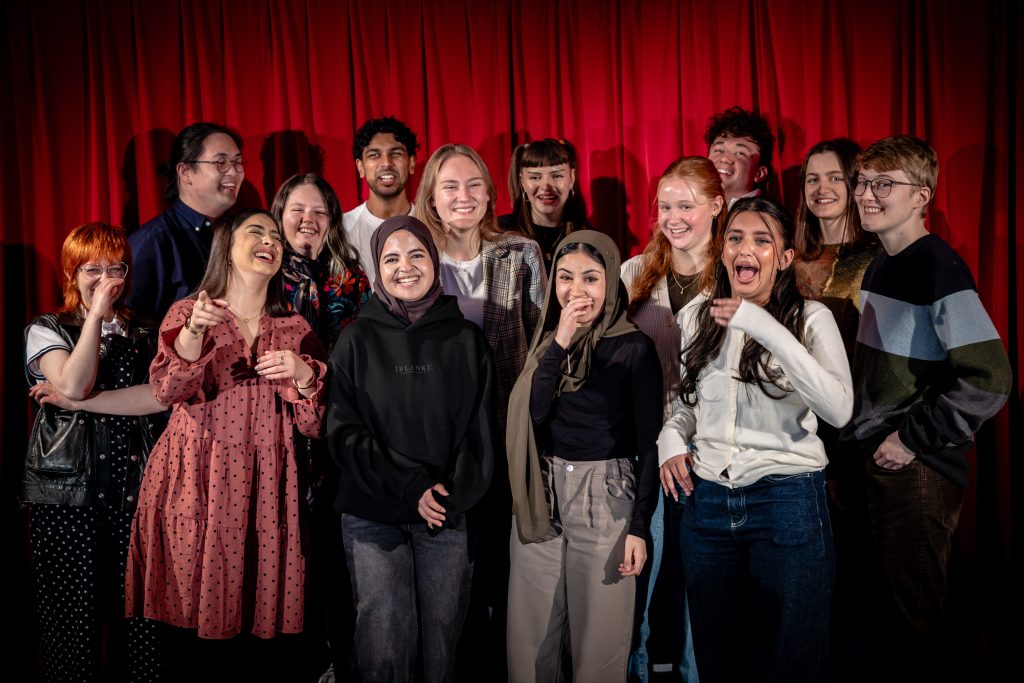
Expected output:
(499, 280)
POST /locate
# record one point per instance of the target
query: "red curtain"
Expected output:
(91, 94)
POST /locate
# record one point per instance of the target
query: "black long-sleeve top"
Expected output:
(615, 414)
(411, 405)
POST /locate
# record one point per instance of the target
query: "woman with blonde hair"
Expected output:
(499, 281)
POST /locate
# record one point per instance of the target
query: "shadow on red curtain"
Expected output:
(93, 93)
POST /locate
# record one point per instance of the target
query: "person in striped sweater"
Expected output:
(929, 369)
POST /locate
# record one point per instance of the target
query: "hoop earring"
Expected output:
(572, 192)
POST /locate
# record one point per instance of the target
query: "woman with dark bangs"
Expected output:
(760, 367)
(89, 367)
(544, 187)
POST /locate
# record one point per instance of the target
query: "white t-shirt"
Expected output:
(360, 225)
(465, 281)
(40, 340)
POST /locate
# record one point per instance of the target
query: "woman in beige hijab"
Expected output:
(583, 420)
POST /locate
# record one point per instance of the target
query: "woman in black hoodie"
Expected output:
(411, 427)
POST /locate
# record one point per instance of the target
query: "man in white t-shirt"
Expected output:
(385, 154)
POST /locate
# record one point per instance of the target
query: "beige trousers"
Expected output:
(569, 588)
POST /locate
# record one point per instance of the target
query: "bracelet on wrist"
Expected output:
(307, 385)
(196, 333)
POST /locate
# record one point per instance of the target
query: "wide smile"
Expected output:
(309, 231)
(547, 199)
(265, 255)
(228, 186)
(725, 171)
(408, 281)
(387, 177)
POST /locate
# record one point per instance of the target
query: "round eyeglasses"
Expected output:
(114, 270)
(223, 164)
(880, 187)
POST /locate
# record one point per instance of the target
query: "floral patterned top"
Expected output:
(328, 302)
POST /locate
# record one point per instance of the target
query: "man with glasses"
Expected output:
(170, 252)
(928, 370)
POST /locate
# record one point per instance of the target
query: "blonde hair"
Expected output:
(427, 212)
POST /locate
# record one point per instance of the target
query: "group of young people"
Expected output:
(453, 445)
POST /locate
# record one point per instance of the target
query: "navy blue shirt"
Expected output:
(169, 255)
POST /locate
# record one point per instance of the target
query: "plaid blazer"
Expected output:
(514, 285)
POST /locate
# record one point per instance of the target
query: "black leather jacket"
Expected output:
(81, 476)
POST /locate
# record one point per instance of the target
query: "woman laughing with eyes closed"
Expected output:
(760, 367)
(218, 547)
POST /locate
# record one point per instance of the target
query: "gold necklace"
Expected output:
(682, 289)
(258, 314)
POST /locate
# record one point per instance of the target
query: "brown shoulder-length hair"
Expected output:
(427, 212)
(808, 228)
(88, 243)
(785, 305)
(218, 270)
(702, 177)
(545, 152)
(343, 255)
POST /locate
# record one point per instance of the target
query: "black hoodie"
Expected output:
(411, 405)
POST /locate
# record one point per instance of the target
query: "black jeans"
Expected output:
(411, 590)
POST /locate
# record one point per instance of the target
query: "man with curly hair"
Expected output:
(740, 145)
(385, 153)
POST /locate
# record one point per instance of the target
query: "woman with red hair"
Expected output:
(689, 211)
(89, 367)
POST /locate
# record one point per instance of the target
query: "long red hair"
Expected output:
(702, 177)
(87, 244)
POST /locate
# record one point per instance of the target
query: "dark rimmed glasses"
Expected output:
(224, 164)
(880, 187)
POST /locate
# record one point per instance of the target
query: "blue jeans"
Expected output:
(408, 585)
(665, 536)
(759, 570)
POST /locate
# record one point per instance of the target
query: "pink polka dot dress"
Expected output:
(216, 542)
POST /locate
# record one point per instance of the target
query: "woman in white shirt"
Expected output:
(499, 280)
(760, 367)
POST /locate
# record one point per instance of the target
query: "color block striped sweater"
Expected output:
(928, 360)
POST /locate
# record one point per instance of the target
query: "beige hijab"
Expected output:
(529, 503)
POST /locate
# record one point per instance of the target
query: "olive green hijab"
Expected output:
(530, 505)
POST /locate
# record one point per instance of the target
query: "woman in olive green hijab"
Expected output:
(584, 417)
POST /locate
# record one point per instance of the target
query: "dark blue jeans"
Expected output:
(759, 565)
(411, 591)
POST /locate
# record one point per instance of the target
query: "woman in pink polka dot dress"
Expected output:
(216, 541)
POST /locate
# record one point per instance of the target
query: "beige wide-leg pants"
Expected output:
(569, 586)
